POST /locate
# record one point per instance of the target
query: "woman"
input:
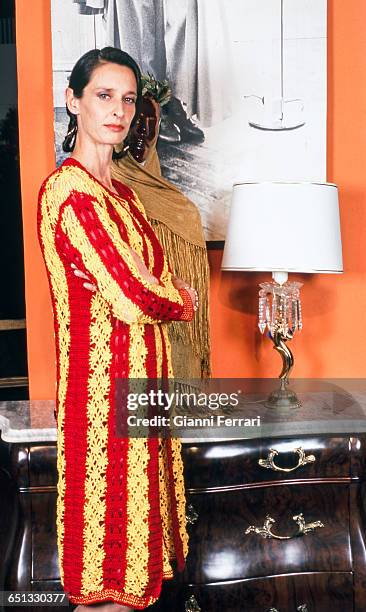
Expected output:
(121, 504)
(177, 223)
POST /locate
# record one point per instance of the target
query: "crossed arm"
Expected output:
(112, 267)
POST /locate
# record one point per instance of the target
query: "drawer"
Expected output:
(9, 521)
(302, 593)
(44, 537)
(51, 586)
(14, 459)
(219, 548)
(43, 465)
(234, 463)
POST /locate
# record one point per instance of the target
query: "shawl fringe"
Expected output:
(189, 262)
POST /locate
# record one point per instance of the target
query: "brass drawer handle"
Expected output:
(302, 608)
(191, 605)
(270, 464)
(191, 515)
(266, 530)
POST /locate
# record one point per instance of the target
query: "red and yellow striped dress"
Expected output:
(121, 502)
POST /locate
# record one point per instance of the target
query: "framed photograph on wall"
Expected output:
(235, 68)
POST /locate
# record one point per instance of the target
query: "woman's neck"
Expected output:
(97, 160)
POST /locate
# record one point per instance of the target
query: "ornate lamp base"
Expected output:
(283, 398)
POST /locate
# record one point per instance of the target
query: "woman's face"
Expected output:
(107, 106)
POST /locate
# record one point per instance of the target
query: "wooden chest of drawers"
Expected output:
(276, 531)
(276, 525)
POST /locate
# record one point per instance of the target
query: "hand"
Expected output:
(139, 264)
(194, 297)
(181, 284)
(80, 274)
(150, 278)
(91, 286)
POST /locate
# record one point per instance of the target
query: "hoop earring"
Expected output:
(72, 131)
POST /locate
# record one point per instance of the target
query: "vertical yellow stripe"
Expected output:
(137, 553)
(150, 254)
(137, 517)
(180, 492)
(164, 495)
(164, 331)
(178, 482)
(61, 465)
(49, 211)
(165, 508)
(97, 444)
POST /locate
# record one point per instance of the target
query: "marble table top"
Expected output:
(334, 410)
(28, 421)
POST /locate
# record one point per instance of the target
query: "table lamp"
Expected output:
(283, 227)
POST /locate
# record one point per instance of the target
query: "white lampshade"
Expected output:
(280, 226)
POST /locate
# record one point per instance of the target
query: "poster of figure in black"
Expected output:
(248, 79)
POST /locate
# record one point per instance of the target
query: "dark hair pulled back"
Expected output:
(80, 77)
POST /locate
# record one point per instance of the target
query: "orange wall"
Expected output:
(333, 339)
(35, 108)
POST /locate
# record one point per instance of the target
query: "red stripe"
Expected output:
(151, 360)
(123, 189)
(158, 253)
(118, 221)
(75, 429)
(164, 367)
(115, 541)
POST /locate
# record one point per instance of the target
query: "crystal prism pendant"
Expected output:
(280, 308)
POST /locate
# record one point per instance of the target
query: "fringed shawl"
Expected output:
(177, 223)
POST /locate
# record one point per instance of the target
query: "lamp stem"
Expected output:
(283, 398)
(280, 277)
(279, 340)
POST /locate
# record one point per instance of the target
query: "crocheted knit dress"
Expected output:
(121, 502)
